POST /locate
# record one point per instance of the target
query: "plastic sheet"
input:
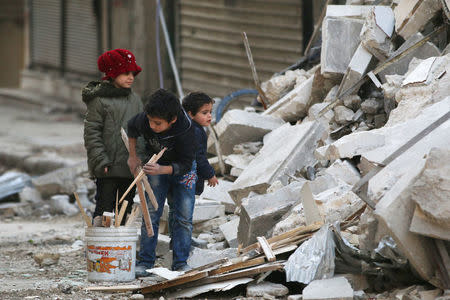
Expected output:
(12, 183)
(314, 259)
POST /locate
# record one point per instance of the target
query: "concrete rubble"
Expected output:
(296, 170)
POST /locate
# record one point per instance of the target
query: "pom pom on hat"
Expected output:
(117, 61)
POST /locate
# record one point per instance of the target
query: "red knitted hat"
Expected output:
(117, 61)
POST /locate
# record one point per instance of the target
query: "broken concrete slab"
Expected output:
(294, 105)
(423, 225)
(275, 162)
(219, 193)
(61, 181)
(266, 287)
(340, 39)
(229, 231)
(261, 212)
(377, 32)
(278, 86)
(343, 115)
(209, 225)
(431, 191)
(238, 126)
(344, 171)
(206, 210)
(411, 16)
(348, 11)
(401, 66)
(200, 257)
(337, 288)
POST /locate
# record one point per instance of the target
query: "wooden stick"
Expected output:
(132, 216)
(145, 213)
(316, 28)
(154, 159)
(121, 214)
(266, 248)
(255, 75)
(117, 204)
(85, 217)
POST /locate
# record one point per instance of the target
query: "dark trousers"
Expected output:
(105, 198)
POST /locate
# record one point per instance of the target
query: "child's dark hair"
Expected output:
(162, 104)
(194, 101)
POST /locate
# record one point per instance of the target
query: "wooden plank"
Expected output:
(121, 213)
(238, 266)
(174, 282)
(266, 248)
(113, 289)
(214, 264)
(86, 218)
(285, 249)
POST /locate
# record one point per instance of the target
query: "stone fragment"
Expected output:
(294, 105)
(278, 86)
(400, 67)
(343, 115)
(200, 257)
(344, 171)
(265, 287)
(230, 230)
(11, 209)
(248, 148)
(340, 39)
(377, 31)
(352, 101)
(219, 193)
(240, 161)
(379, 120)
(371, 106)
(411, 16)
(30, 195)
(61, 181)
(261, 212)
(295, 297)
(357, 281)
(431, 191)
(206, 210)
(348, 11)
(44, 259)
(209, 225)
(336, 288)
(60, 204)
(238, 126)
(423, 225)
(276, 162)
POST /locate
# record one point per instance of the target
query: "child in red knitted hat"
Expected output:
(110, 104)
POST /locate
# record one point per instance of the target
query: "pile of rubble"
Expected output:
(343, 182)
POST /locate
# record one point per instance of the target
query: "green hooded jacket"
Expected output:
(108, 110)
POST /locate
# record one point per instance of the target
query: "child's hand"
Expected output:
(153, 169)
(213, 181)
(106, 170)
(133, 163)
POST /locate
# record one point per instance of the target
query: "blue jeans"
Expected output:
(182, 189)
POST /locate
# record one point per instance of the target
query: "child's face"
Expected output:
(124, 80)
(203, 116)
(159, 125)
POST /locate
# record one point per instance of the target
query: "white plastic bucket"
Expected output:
(111, 253)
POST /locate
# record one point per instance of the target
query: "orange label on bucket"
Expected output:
(104, 259)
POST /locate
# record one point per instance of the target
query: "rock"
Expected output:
(276, 163)
(30, 195)
(294, 105)
(278, 86)
(411, 16)
(295, 297)
(265, 287)
(336, 288)
(248, 148)
(200, 257)
(340, 39)
(371, 106)
(357, 281)
(261, 212)
(431, 191)
(61, 181)
(344, 171)
(240, 161)
(230, 230)
(377, 31)
(238, 126)
(219, 193)
(60, 204)
(44, 259)
(137, 296)
(352, 101)
(400, 67)
(343, 115)
(209, 225)
(323, 87)
(379, 120)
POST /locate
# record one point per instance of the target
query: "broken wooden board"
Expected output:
(174, 282)
(268, 252)
(238, 266)
(217, 287)
(113, 289)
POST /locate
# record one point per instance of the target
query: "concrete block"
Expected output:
(278, 86)
(207, 211)
(431, 191)
(60, 204)
(230, 230)
(372, 106)
(275, 162)
(343, 115)
(209, 225)
(219, 193)
(401, 66)
(200, 257)
(344, 171)
(239, 126)
(265, 287)
(294, 105)
(411, 16)
(423, 225)
(377, 31)
(30, 195)
(260, 213)
(336, 288)
(340, 39)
